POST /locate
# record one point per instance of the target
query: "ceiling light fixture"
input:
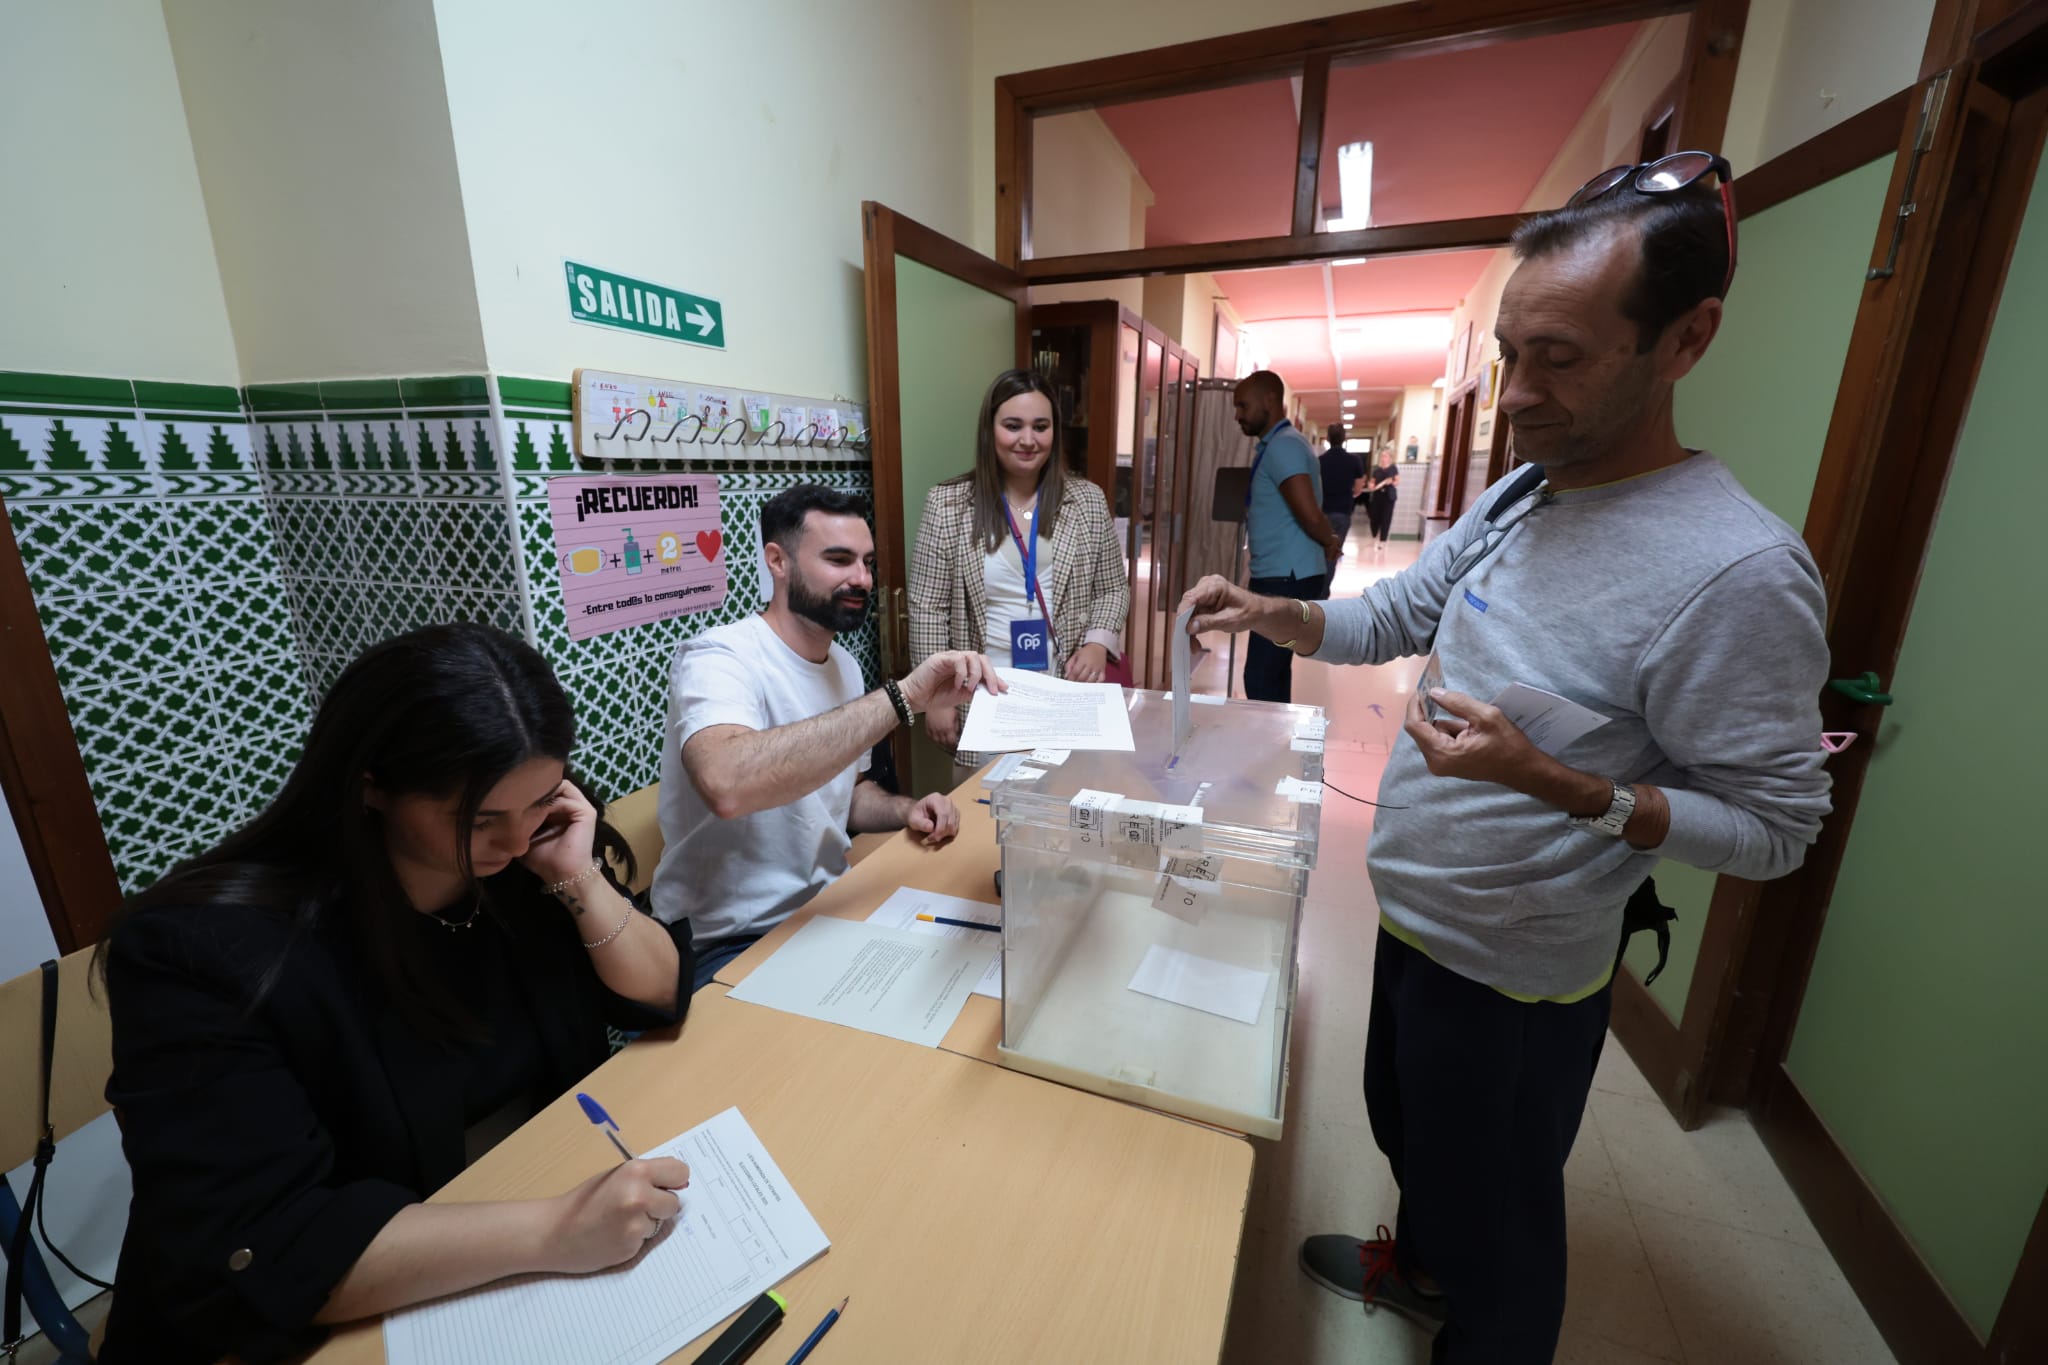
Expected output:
(1354, 188)
(1351, 402)
(1347, 384)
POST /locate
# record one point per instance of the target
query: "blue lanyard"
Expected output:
(1260, 459)
(1028, 551)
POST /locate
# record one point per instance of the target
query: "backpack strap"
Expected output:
(1645, 911)
(46, 1148)
(1522, 486)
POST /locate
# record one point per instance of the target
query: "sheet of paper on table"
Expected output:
(889, 981)
(1051, 713)
(906, 903)
(1201, 983)
(741, 1230)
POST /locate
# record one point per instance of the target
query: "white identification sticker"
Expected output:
(1186, 884)
(1135, 822)
(1088, 813)
(1311, 727)
(1049, 758)
(1304, 793)
(1180, 827)
(1307, 746)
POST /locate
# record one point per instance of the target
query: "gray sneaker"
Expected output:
(1365, 1270)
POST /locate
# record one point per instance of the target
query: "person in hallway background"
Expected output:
(320, 1022)
(1061, 606)
(1341, 472)
(1381, 488)
(769, 732)
(1292, 543)
(1641, 581)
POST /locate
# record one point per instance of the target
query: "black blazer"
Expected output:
(268, 1147)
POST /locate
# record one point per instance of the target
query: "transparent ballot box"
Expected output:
(1152, 904)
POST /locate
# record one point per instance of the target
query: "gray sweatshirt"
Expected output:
(1675, 605)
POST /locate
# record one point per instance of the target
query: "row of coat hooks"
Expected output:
(638, 417)
(734, 431)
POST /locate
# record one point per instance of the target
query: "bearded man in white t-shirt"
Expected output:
(769, 730)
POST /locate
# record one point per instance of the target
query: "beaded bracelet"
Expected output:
(626, 920)
(585, 875)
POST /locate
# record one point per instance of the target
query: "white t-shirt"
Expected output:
(745, 876)
(1009, 599)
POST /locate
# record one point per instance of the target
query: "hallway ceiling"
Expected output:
(1455, 135)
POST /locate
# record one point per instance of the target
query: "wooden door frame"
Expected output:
(887, 234)
(1687, 1062)
(1306, 49)
(1101, 317)
(42, 772)
(1984, 167)
(1460, 406)
(1906, 384)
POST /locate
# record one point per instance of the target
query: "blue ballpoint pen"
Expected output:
(594, 1111)
(818, 1333)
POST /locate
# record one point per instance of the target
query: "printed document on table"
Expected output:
(1049, 713)
(888, 981)
(1550, 721)
(906, 903)
(1201, 983)
(741, 1229)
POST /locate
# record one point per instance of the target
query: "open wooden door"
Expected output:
(943, 321)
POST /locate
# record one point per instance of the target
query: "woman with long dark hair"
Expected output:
(1016, 559)
(319, 1022)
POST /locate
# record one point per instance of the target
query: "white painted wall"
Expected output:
(1835, 59)
(110, 263)
(321, 134)
(740, 141)
(1088, 196)
(1416, 421)
(1607, 134)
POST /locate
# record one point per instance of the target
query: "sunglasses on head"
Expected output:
(1663, 176)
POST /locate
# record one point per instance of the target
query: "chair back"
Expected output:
(79, 1067)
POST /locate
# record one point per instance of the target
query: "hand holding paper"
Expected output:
(1508, 742)
(1035, 711)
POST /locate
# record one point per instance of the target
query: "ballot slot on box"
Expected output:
(1152, 909)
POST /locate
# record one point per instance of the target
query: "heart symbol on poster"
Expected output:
(709, 543)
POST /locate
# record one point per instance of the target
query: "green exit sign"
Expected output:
(605, 299)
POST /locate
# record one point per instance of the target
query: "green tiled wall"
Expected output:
(144, 527)
(206, 561)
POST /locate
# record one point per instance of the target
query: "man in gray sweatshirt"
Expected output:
(1640, 581)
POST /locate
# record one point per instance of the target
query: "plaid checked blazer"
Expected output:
(1084, 581)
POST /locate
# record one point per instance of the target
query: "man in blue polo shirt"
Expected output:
(1293, 544)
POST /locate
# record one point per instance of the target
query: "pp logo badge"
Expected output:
(1031, 642)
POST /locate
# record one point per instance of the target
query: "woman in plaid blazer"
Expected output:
(966, 571)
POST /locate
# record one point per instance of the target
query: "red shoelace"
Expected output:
(1376, 1259)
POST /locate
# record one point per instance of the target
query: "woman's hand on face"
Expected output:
(1089, 664)
(566, 842)
(609, 1217)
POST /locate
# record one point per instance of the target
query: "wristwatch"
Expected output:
(1616, 819)
(896, 699)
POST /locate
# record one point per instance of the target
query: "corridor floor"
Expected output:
(1685, 1247)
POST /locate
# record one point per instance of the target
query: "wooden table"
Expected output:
(966, 868)
(975, 1213)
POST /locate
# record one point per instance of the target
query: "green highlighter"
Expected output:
(748, 1331)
